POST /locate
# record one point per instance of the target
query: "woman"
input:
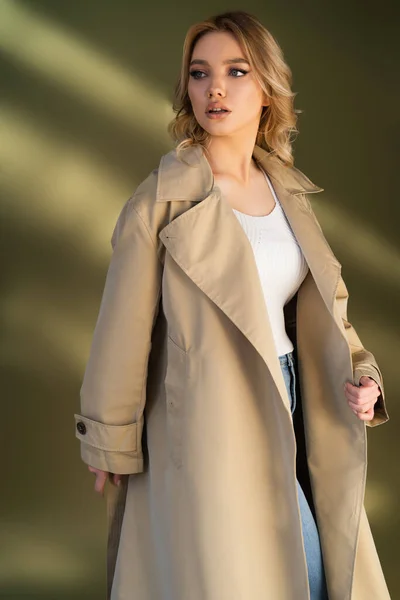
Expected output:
(226, 394)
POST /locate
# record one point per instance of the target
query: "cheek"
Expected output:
(196, 100)
(249, 95)
(194, 94)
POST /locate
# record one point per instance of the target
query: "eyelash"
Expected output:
(193, 73)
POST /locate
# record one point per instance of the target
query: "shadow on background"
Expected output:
(86, 90)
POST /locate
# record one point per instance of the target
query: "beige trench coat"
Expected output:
(184, 393)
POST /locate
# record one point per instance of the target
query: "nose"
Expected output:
(215, 90)
(215, 93)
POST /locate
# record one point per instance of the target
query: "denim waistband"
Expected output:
(287, 359)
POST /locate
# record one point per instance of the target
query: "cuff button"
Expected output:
(81, 427)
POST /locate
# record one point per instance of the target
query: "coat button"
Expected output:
(81, 427)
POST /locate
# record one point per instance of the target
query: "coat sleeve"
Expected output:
(113, 392)
(364, 362)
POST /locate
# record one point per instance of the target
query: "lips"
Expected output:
(212, 108)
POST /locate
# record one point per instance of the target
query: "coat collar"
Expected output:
(190, 177)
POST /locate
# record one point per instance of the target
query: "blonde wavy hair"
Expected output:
(278, 120)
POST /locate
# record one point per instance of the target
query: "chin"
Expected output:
(217, 128)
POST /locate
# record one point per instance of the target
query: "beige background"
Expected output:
(84, 85)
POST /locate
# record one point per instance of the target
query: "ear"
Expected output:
(266, 100)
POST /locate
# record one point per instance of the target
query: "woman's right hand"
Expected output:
(101, 478)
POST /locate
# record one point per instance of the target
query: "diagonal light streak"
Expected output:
(58, 186)
(61, 56)
(361, 243)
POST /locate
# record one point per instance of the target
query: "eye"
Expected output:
(197, 74)
(241, 71)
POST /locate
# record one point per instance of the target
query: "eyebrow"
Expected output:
(229, 61)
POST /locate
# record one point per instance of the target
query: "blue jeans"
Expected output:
(312, 548)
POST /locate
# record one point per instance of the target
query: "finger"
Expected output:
(361, 395)
(367, 381)
(364, 416)
(361, 403)
(116, 479)
(357, 411)
(368, 416)
(101, 478)
(361, 408)
(354, 389)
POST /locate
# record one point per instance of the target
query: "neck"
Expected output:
(232, 159)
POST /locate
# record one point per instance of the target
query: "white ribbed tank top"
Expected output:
(280, 263)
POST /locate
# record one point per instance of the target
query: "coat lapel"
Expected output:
(210, 246)
(290, 185)
(325, 268)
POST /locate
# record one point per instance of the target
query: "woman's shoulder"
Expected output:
(151, 190)
(145, 193)
(153, 199)
(182, 177)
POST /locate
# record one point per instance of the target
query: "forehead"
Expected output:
(217, 45)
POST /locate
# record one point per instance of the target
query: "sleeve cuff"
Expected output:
(112, 448)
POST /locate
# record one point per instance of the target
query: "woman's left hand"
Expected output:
(362, 399)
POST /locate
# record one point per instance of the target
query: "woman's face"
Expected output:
(218, 77)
